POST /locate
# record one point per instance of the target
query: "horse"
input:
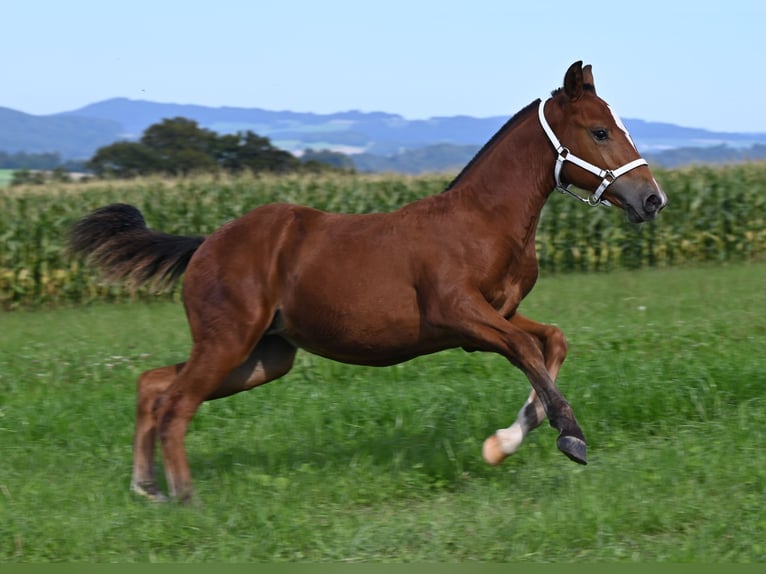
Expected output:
(445, 271)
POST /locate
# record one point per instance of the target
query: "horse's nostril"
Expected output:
(652, 203)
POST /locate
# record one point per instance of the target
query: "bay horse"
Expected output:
(446, 271)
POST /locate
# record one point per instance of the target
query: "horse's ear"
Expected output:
(573, 81)
(587, 77)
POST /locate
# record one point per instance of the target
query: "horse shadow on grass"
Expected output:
(440, 455)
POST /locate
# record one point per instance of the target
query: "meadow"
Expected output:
(335, 463)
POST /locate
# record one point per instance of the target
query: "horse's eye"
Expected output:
(600, 134)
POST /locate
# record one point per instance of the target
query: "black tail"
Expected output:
(116, 239)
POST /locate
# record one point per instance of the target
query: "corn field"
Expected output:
(714, 215)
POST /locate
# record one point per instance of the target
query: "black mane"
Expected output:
(501, 131)
(589, 87)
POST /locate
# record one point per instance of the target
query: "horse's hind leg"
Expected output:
(271, 358)
(215, 369)
(553, 345)
(150, 385)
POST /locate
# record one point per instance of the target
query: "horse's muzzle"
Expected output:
(642, 202)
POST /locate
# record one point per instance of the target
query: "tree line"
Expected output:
(176, 147)
(179, 146)
(38, 161)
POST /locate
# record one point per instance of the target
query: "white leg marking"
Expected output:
(510, 438)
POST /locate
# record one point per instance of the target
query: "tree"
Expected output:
(29, 161)
(249, 151)
(181, 146)
(27, 177)
(124, 160)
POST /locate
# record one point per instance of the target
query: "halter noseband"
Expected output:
(607, 175)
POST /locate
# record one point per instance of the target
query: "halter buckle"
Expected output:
(592, 200)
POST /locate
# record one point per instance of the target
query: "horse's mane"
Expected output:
(589, 87)
(506, 126)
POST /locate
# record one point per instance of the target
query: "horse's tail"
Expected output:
(116, 239)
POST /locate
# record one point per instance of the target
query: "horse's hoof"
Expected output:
(492, 451)
(574, 448)
(148, 491)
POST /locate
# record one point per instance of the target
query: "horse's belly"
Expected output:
(361, 354)
(364, 337)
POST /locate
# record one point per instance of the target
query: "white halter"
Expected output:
(607, 175)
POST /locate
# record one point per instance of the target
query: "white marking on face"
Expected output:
(663, 197)
(621, 125)
(618, 121)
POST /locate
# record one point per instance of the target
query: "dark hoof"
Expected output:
(574, 448)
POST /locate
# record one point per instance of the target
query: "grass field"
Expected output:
(342, 463)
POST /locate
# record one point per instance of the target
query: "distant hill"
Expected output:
(379, 141)
(72, 136)
(378, 133)
(452, 158)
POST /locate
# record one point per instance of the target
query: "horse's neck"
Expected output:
(511, 181)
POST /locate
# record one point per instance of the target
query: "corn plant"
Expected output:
(714, 215)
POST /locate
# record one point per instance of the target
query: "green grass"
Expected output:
(342, 463)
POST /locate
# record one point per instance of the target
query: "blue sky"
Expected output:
(697, 64)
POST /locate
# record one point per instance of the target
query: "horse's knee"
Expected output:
(555, 343)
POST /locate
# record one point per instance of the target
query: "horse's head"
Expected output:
(595, 151)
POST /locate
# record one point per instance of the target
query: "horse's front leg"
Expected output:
(504, 442)
(484, 328)
(552, 343)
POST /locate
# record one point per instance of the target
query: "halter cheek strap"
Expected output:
(607, 175)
